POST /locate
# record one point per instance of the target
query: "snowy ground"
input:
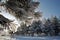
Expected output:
(6, 38)
(37, 38)
(29, 38)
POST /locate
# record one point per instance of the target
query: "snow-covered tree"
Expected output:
(56, 23)
(22, 10)
(52, 26)
(35, 28)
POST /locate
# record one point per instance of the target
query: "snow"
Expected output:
(9, 16)
(6, 38)
(29, 38)
(37, 38)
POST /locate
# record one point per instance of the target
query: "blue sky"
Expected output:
(49, 8)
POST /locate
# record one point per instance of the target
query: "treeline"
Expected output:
(48, 27)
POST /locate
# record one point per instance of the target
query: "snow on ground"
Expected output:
(29, 38)
(37, 38)
(6, 38)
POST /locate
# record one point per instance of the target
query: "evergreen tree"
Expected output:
(36, 27)
(22, 8)
(56, 23)
(49, 28)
